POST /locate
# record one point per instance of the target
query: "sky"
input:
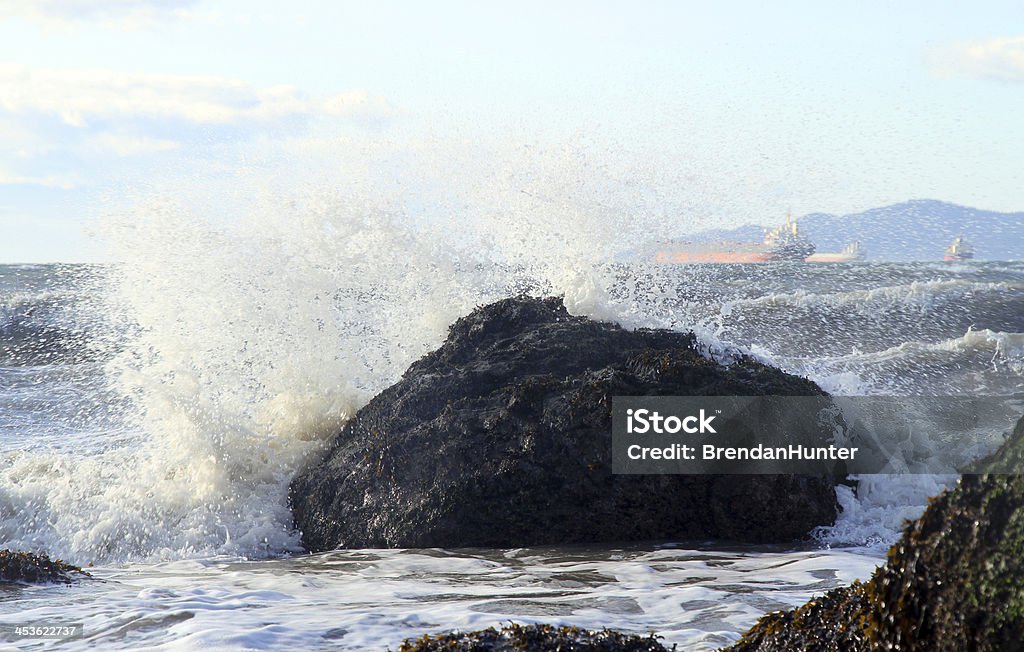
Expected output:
(810, 106)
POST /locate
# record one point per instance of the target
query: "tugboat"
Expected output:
(784, 242)
(959, 249)
(851, 253)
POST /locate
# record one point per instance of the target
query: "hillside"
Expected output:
(912, 230)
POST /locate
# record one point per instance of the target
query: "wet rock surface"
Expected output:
(502, 438)
(26, 567)
(534, 638)
(954, 581)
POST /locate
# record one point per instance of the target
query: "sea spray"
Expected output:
(239, 334)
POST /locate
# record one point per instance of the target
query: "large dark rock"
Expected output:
(502, 438)
(955, 580)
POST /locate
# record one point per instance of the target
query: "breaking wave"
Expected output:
(237, 335)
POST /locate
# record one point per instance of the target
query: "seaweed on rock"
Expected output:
(954, 581)
(534, 638)
(27, 567)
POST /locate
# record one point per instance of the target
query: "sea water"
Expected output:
(153, 409)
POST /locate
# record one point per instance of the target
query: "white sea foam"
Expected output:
(1002, 348)
(922, 296)
(698, 600)
(979, 362)
(877, 513)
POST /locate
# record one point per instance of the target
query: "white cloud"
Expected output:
(21, 142)
(128, 145)
(122, 14)
(76, 96)
(996, 58)
(49, 181)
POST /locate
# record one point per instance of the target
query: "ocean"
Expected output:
(153, 412)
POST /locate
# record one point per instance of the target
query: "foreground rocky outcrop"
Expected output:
(502, 438)
(27, 567)
(955, 580)
(534, 638)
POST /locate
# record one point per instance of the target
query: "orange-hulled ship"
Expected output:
(781, 243)
(959, 249)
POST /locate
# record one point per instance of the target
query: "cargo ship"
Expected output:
(784, 242)
(959, 249)
(851, 253)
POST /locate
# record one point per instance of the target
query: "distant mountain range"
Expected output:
(918, 229)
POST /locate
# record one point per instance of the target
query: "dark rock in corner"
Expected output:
(954, 581)
(502, 438)
(36, 569)
(534, 638)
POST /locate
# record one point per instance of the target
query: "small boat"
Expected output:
(851, 253)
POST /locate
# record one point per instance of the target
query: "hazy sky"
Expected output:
(818, 106)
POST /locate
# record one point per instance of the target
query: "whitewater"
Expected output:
(153, 409)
